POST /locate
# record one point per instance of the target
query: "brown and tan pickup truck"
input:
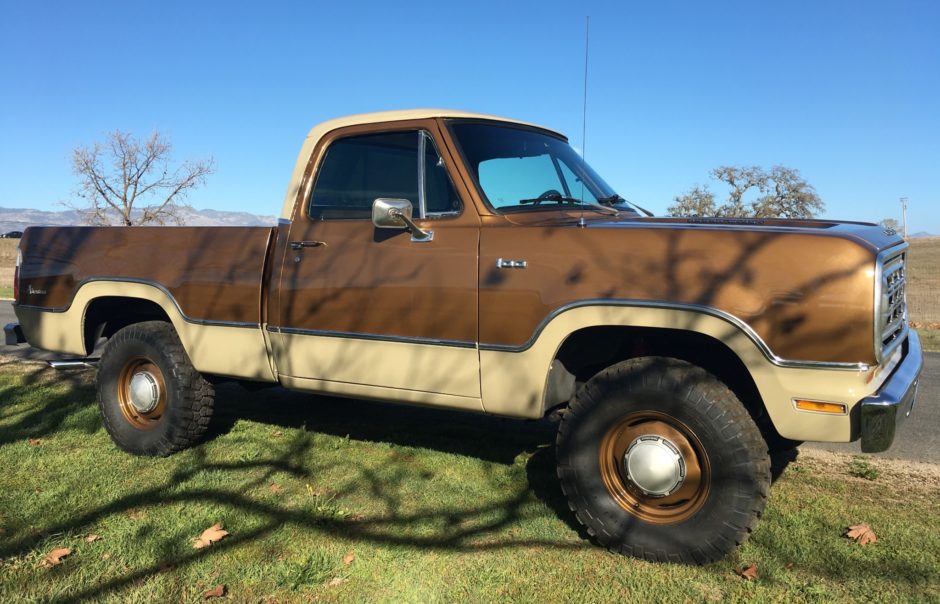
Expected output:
(477, 263)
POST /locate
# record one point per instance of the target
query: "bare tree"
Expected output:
(130, 182)
(781, 193)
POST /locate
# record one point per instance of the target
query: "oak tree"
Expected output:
(778, 193)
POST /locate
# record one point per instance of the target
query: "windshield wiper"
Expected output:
(612, 199)
(559, 198)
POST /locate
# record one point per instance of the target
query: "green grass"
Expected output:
(436, 507)
(6, 292)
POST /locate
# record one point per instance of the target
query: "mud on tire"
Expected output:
(659, 460)
(151, 398)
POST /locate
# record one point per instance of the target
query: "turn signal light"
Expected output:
(820, 407)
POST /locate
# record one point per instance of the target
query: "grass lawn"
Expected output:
(432, 505)
(6, 292)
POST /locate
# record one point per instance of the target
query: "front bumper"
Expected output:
(882, 412)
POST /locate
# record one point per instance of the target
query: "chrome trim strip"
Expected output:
(371, 336)
(188, 319)
(708, 310)
(283, 221)
(882, 352)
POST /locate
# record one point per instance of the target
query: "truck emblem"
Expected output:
(36, 292)
(889, 232)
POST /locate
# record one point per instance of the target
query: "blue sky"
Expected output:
(846, 92)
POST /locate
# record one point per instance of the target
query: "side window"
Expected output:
(402, 165)
(359, 169)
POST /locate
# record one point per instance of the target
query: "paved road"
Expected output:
(918, 438)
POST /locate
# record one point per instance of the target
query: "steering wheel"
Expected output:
(547, 196)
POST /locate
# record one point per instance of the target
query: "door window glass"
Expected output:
(359, 169)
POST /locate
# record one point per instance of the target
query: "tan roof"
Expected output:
(406, 114)
(318, 131)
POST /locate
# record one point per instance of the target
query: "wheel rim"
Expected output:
(655, 467)
(141, 392)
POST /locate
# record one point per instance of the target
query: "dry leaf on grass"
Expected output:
(55, 557)
(92, 537)
(348, 558)
(749, 572)
(788, 565)
(336, 581)
(216, 592)
(213, 534)
(135, 514)
(34, 441)
(106, 556)
(276, 434)
(275, 488)
(861, 534)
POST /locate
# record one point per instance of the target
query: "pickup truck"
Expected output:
(478, 263)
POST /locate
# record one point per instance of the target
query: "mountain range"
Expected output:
(17, 219)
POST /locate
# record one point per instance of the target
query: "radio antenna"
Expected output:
(587, 31)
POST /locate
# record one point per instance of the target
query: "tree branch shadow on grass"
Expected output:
(474, 527)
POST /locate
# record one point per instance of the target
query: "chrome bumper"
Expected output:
(881, 413)
(13, 334)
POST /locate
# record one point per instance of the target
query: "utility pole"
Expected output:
(904, 215)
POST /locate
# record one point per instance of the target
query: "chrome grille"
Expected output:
(890, 304)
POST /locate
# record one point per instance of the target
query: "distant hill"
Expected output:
(922, 234)
(17, 219)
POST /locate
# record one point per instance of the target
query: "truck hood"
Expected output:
(868, 235)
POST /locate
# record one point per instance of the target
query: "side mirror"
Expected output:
(396, 214)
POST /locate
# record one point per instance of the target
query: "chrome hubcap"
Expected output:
(144, 392)
(654, 465)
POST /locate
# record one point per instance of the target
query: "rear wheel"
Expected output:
(151, 398)
(659, 460)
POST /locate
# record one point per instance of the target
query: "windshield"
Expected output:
(519, 169)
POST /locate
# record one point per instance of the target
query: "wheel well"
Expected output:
(106, 315)
(590, 350)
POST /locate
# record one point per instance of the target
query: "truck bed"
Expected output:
(214, 274)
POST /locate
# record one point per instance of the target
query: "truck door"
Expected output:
(363, 306)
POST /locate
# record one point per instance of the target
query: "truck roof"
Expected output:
(321, 129)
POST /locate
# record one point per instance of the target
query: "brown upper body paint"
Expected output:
(804, 287)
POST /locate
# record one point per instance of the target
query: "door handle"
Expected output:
(298, 245)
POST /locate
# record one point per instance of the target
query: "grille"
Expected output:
(891, 306)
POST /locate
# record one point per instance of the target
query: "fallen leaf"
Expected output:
(861, 534)
(749, 572)
(213, 534)
(275, 488)
(34, 441)
(357, 517)
(216, 592)
(135, 514)
(788, 565)
(336, 581)
(106, 556)
(348, 558)
(54, 558)
(276, 434)
(91, 538)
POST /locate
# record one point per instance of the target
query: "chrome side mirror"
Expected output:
(396, 214)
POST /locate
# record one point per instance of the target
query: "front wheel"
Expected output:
(151, 398)
(659, 460)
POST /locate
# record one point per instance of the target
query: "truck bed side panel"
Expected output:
(214, 274)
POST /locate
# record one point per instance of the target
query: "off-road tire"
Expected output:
(709, 524)
(187, 398)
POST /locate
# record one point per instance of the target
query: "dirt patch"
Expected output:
(912, 475)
